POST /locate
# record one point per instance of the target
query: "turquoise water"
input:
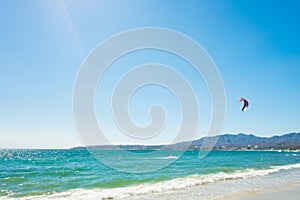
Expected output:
(26, 173)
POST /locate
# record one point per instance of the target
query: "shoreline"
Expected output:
(270, 187)
(232, 182)
(291, 193)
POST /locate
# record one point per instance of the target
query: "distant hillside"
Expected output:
(287, 141)
(226, 141)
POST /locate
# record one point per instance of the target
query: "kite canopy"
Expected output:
(246, 104)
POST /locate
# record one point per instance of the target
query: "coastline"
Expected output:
(241, 142)
(78, 175)
(271, 187)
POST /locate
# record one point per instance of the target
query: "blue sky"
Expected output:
(254, 44)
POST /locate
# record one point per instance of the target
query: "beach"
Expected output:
(149, 100)
(292, 193)
(221, 175)
(278, 186)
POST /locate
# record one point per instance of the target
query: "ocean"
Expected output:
(76, 174)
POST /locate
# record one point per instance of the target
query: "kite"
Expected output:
(246, 104)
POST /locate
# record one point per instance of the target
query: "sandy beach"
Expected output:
(291, 193)
(274, 187)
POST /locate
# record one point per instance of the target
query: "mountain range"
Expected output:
(229, 141)
(226, 141)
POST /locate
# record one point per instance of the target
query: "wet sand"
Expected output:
(288, 193)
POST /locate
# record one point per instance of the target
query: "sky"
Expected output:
(254, 44)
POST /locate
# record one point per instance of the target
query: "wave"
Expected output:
(163, 186)
(167, 157)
